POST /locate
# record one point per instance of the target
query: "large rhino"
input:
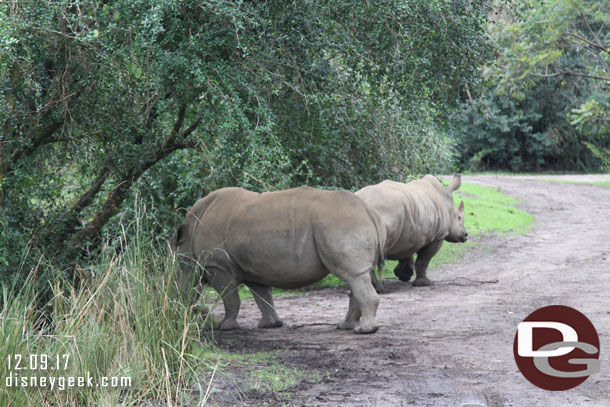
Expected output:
(286, 239)
(417, 218)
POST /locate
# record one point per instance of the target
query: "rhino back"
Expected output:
(296, 237)
(414, 214)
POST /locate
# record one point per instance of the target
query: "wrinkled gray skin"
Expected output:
(417, 218)
(286, 239)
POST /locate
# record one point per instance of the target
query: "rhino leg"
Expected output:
(424, 255)
(353, 315)
(404, 269)
(377, 283)
(367, 301)
(227, 287)
(264, 300)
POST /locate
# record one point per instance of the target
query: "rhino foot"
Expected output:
(404, 270)
(421, 282)
(227, 325)
(263, 323)
(362, 329)
(347, 325)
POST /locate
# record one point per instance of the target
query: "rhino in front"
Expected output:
(417, 217)
(286, 239)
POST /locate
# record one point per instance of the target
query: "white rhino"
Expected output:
(286, 239)
(417, 218)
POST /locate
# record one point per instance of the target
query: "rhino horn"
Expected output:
(455, 183)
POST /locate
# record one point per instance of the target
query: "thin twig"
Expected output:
(296, 326)
(593, 44)
(572, 73)
(471, 281)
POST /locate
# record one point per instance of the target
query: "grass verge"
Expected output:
(261, 371)
(123, 322)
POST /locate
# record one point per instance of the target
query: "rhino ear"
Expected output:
(455, 183)
(181, 233)
(461, 208)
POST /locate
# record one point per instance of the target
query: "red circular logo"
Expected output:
(556, 348)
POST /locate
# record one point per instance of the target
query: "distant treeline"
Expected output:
(544, 103)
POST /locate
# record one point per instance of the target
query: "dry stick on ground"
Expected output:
(471, 281)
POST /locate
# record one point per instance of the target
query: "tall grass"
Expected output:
(123, 321)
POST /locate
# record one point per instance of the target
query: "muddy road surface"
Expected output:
(451, 343)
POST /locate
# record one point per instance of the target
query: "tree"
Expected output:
(547, 92)
(103, 100)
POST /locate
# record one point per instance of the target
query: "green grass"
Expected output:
(525, 173)
(487, 209)
(259, 370)
(503, 173)
(246, 294)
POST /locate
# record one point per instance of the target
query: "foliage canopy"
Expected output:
(105, 101)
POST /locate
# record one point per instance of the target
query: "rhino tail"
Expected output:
(381, 234)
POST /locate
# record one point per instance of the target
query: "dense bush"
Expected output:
(102, 103)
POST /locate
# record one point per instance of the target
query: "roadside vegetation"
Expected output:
(123, 321)
(544, 102)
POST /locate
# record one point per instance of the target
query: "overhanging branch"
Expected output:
(570, 73)
(175, 141)
(583, 39)
(45, 135)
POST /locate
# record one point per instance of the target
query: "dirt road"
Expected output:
(439, 345)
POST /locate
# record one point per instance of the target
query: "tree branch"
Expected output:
(177, 126)
(44, 136)
(70, 219)
(584, 17)
(581, 38)
(116, 197)
(86, 198)
(556, 74)
(589, 26)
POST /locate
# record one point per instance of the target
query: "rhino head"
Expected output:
(457, 230)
